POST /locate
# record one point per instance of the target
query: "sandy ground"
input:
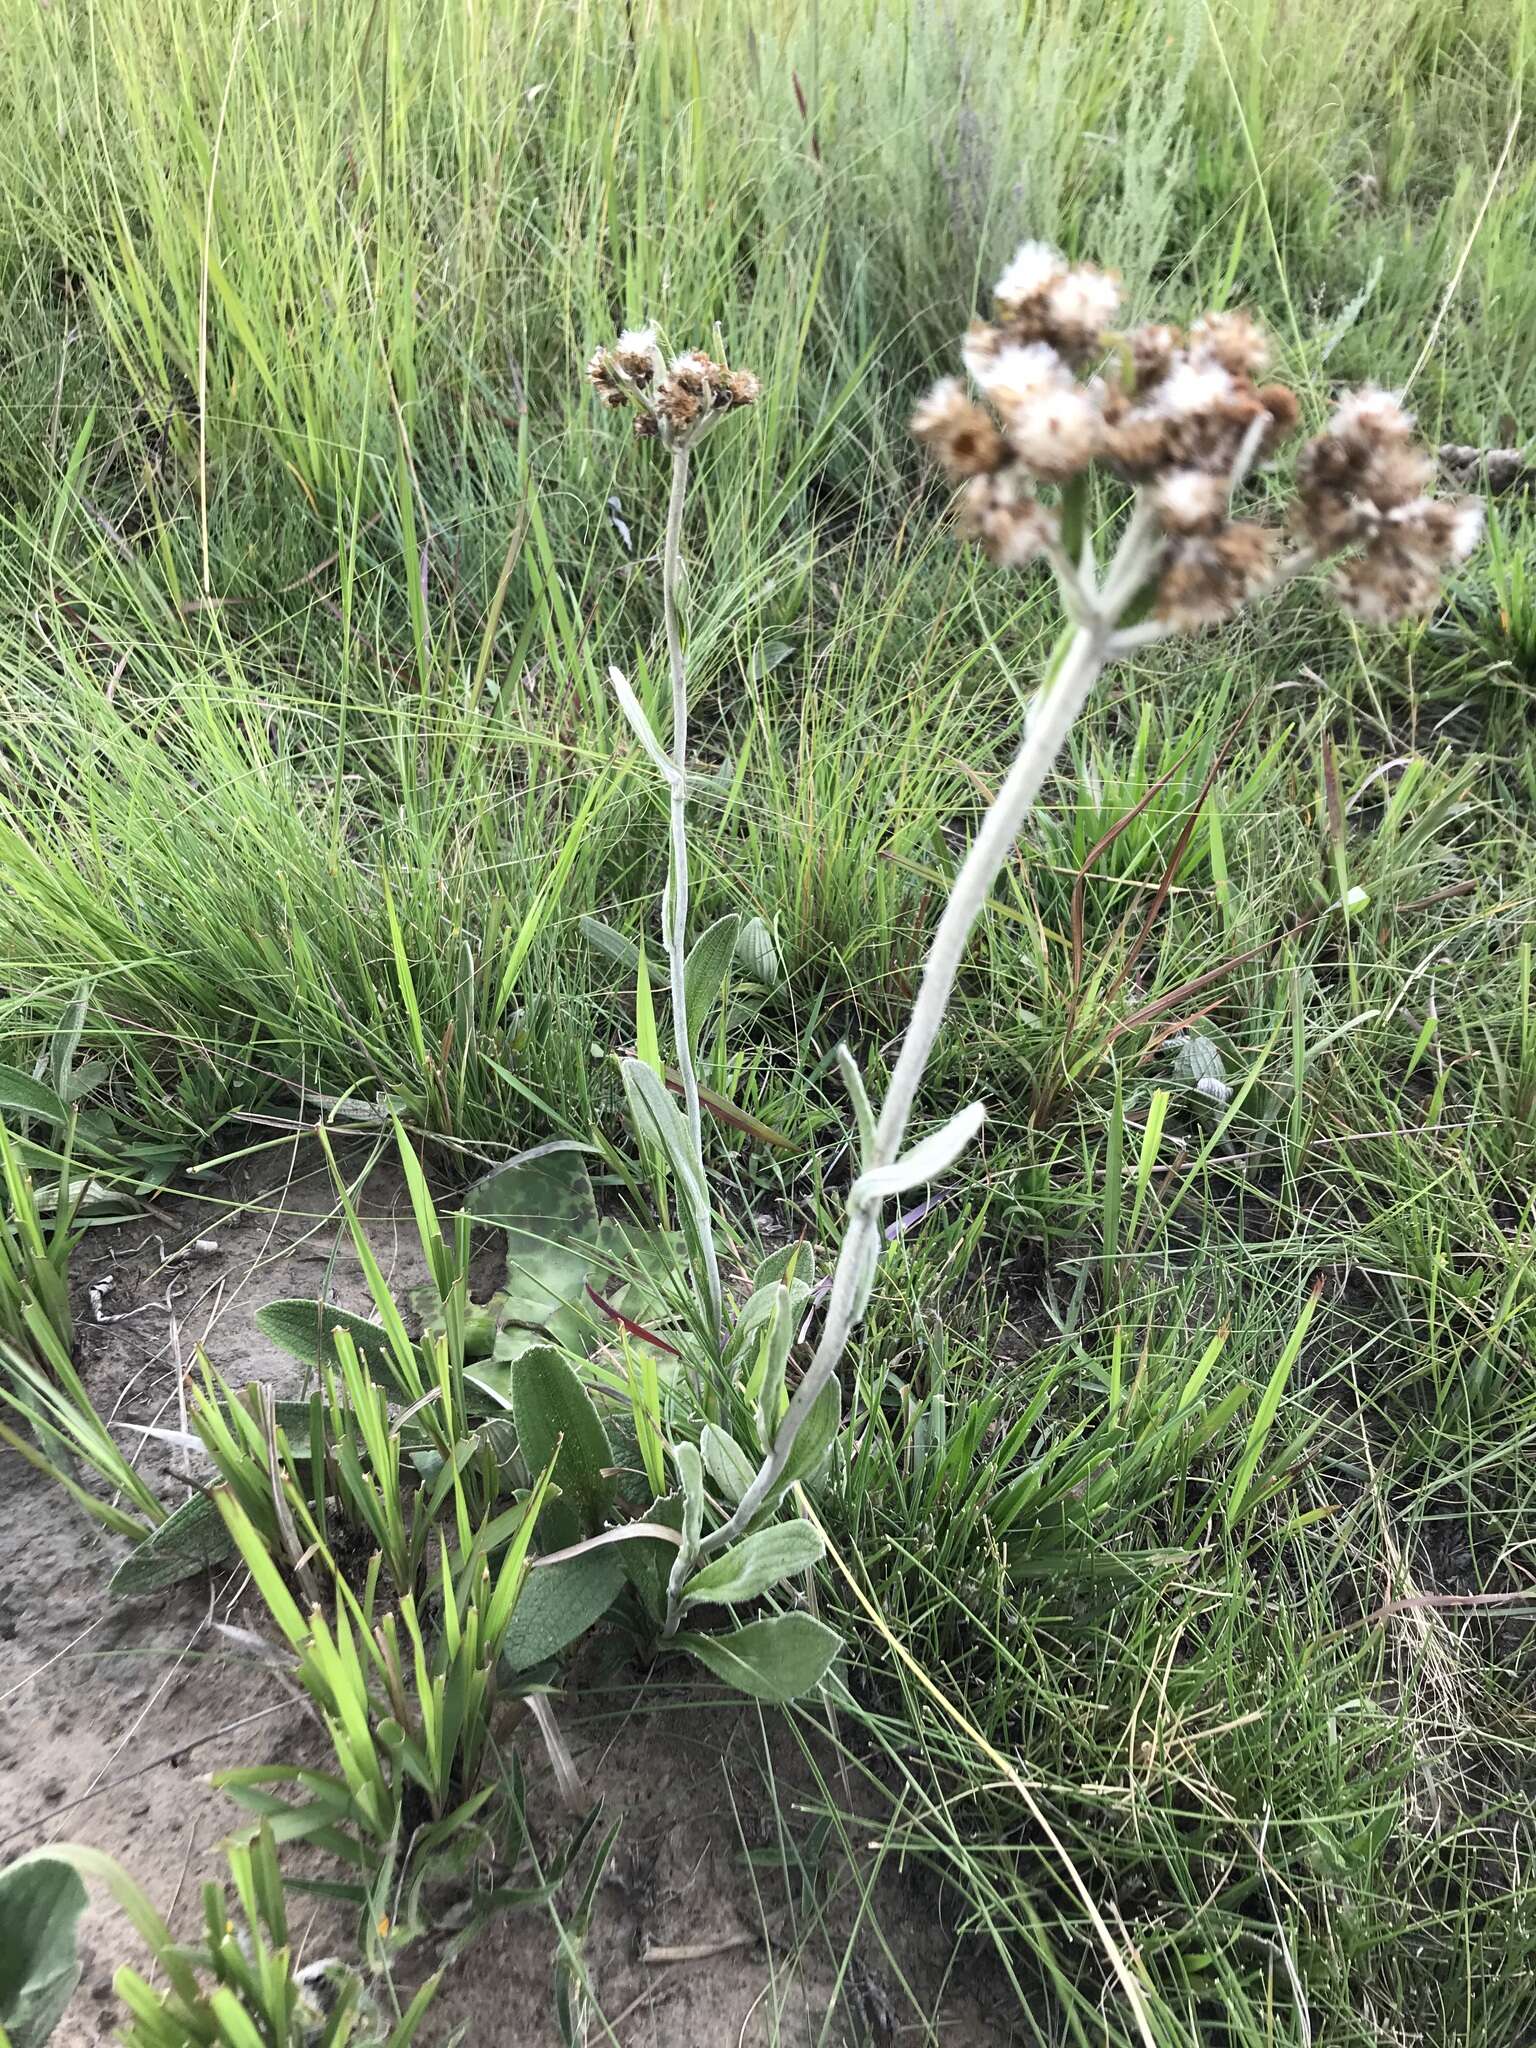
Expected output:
(112, 1714)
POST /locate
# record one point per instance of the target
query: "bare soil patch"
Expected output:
(113, 1713)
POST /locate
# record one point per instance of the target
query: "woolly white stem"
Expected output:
(675, 904)
(677, 787)
(1135, 557)
(1050, 719)
(1074, 579)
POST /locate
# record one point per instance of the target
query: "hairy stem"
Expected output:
(677, 879)
(1049, 722)
(675, 906)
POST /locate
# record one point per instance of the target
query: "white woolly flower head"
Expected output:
(1018, 373)
(1190, 500)
(638, 356)
(1191, 387)
(1032, 267)
(1084, 300)
(1467, 528)
(1377, 414)
(1056, 430)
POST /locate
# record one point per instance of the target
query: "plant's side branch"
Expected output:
(1128, 639)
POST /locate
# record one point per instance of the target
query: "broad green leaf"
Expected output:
(708, 964)
(779, 1658)
(554, 1415)
(793, 1263)
(306, 1330)
(558, 1603)
(185, 1543)
(547, 1193)
(754, 1564)
(41, 1899)
(18, 1091)
(726, 1462)
(492, 1377)
(757, 955)
(544, 1202)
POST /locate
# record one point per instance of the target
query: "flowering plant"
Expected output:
(1178, 424)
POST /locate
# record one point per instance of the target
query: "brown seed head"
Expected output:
(1385, 584)
(1190, 501)
(600, 376)
(1284, 409)
(1137, 445)
(1232, 339)
(1013, 529)
(962, 437)
(680, 402)
(1206, 581)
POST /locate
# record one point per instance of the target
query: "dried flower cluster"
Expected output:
(1182, 418)
(675, 404)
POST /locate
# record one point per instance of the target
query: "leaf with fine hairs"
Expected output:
(781, 1658)
(41, 1899)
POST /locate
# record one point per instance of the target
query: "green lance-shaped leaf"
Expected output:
(613, 945)
(754, 1564)
(658, 1120)
(858, 1095)
(640, 725)
(648, 1563)
(690, 1472)
(18, 1091)
(775, 1338)
(65, 1042)
(41, 1899)
(780, 1658)
(708, 964)
(815, 1439)
(553, 1412)
(726, 1462)
(185, 1543)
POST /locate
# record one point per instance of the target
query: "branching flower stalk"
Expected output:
(677, 406)
(1181, 420)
